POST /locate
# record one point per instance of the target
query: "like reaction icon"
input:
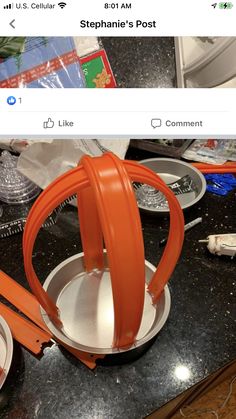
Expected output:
(11, 100)
(49, 123)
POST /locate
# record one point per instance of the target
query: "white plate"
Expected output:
(6, 350)
(86, 307)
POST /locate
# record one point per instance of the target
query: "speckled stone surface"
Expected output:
(199, 333)
(142, 61)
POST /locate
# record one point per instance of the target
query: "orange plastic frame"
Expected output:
(107, 181)
(228, 167)
(24, 331)
(29, 305)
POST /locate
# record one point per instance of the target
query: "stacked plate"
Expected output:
(186, 182)
(6, 350)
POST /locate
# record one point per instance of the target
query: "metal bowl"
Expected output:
(170, 171)
(86, 308)
(6, 350)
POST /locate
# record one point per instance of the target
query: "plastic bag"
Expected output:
(43, 162)
(46, 62)
(211, 151)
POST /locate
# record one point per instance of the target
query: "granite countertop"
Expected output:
(199, 334)
(142, 61)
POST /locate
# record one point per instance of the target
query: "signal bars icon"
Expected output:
(62, 4)
(8, 6)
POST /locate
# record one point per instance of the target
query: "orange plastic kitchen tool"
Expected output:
(21, 298)
(28, 305)
(104, 301)
(228, 167)
(120, 224)
(174, 244)
(90, 229)
(24, 331)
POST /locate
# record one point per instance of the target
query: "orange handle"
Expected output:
(174, 243)
(215, 170)
(64, 186)
(229, 167)
(121, 226)
(90, 230)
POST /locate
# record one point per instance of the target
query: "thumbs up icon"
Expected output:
(48, 124)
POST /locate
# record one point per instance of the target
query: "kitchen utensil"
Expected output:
(220, 183)
(187, 227)
(171, 171)
(28, 305)
(229, 167)
(221, 244)
(17, 226)
(24, 331)
(105, 301)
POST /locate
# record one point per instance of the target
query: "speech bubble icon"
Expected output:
(156, 122)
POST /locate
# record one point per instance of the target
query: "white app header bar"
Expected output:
(118, 18)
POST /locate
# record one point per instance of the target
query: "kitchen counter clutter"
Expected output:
(124, 62)
(197, 339)
(87, 61)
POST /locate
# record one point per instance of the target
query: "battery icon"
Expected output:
(226, 5)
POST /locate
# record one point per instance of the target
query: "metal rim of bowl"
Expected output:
(110, 350)
(7, 336)
(194, 169)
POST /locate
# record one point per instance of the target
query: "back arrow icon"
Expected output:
(12, 23)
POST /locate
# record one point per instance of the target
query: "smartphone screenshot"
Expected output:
(117, 209)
